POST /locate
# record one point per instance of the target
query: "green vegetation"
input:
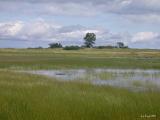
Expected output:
(55, 45)
(121, 45)
(34, 97)
(105, 75)
(90, 39)
(31, 97)
(105, 47)
(72, 48)
(84, 58)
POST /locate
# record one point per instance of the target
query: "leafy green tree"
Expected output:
(120, 45)
(90, 39)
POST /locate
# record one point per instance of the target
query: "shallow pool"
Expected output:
(135, 79)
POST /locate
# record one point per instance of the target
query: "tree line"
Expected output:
(89, 41)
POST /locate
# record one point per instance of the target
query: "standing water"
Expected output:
(134, 79)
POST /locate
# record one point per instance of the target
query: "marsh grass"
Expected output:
(33, 97)
(85, 58)
(137, 83)
(147, 85)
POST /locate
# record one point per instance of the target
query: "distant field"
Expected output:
(91, 58)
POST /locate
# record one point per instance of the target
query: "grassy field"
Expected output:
(33, 97)
(91, 58)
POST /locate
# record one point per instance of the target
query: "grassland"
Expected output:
(32, 97)
(91, 58)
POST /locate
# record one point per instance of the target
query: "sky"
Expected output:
(33, 23)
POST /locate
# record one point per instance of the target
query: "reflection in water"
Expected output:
(128, 78)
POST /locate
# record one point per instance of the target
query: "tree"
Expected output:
(120, 45)
(90, 39)
(55, 45)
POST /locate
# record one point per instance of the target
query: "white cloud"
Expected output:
(128, 8)
(145, 37)
(43, 31)
(71, 9)
(138, 11)
(149, 18)
(10, 28)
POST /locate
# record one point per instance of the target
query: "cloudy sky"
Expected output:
(31, 23)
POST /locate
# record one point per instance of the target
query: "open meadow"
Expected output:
(28, 96)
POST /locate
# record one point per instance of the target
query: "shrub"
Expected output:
(55, 45)
(35, 47)
(72, 48)
(105, 47)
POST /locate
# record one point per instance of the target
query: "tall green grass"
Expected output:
(31, 97)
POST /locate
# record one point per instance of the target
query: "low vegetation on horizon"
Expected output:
(89, 41)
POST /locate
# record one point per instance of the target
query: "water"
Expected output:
(134, 79)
